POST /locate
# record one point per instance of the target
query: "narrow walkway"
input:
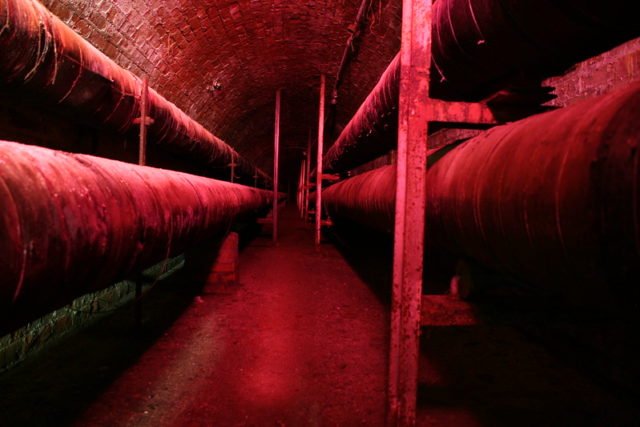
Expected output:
(300, 341)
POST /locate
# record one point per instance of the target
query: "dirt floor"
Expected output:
(300, 341)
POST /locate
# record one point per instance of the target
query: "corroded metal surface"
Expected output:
(552, 199)
(414, 114)
(40, 52)
(320, 153)
(478, 46)
(73, 223)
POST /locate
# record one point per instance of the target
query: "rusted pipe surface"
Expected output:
(276, 164)
(40, 52)
(478, 46)
(72, 223)
(319, 155)
(371, 131)
(552, 199)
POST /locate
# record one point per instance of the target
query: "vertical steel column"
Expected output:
(276, 155)
(142, 150)
(413, 118)
(142, 160)
(307, 182)
(301, 183)
(319, 160)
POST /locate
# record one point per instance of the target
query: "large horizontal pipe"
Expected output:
(478, 46)
(73, 223)
(370, 132)
(553, 199)
(42, 53)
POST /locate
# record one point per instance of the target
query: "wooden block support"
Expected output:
(330, 177)
(225, 269)
(446, 310)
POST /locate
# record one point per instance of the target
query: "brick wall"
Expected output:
(41, 333)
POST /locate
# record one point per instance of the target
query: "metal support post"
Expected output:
(142, 160)
(276, 154)
(319, 160)
(413, 116)
(233, 166)
(307, 182)
(301, 183)
(142, 151)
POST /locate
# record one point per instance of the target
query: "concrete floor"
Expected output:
(301, 340)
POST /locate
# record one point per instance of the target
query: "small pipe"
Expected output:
(142, 154)
(307, 182)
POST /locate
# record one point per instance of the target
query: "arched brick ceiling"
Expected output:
(252, 48)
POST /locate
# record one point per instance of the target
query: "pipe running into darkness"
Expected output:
(40, 52)
(553, 199)
(74, 223)
(478, 46)
(372, 129)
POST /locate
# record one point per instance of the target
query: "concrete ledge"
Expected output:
(83, 311)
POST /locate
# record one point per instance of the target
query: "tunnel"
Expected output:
(322, 212)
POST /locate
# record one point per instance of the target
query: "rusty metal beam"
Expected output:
(414, 114)
(307, 179)
(318, 212)
(142, 154)
(351, 48)
(300, 189)
(276, 159)
(142, 160)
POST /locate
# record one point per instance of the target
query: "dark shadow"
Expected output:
(370, 253)
(501, 377)
(532, 358)
(58, 384)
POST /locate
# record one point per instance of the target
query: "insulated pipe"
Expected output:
(553, 199)
(73, 223)
(370, 131)
(477, 46)
(39, 51)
